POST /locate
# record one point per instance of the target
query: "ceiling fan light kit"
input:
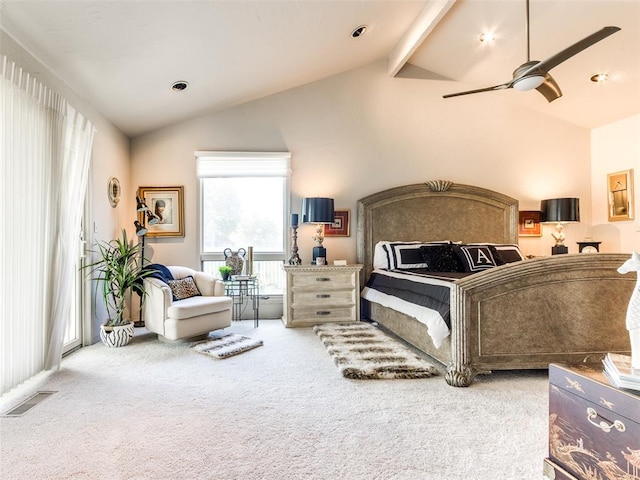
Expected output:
(535, 74)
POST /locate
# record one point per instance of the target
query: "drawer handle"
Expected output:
(604, 426)
(323, 312)
(323, 279)
(323, 295)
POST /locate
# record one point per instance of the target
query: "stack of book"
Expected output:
(617, 368)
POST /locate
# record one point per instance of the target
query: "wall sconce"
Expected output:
(318, 210)
(559, 211)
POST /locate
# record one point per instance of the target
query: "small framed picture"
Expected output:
(340, 225)
(620, 192)
(529, 223)
(166, 204)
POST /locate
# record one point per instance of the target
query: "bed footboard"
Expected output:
(563, 308)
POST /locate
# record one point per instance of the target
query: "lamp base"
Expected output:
(319, 252)
(559, 250)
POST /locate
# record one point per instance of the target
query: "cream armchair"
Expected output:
(174, 319)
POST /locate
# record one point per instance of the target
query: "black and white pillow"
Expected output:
(475, 258)
(404, 256)
(441, 258)
(507, 252)
(183, 288)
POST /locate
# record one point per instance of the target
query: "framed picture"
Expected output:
(529, 223)
(340, 225)
(166, 203)
(620, 192)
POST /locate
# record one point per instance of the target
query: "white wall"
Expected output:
(110, 156)
(360, 132)
(615, 147)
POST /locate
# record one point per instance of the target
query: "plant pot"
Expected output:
(116, 336)
(226, 276)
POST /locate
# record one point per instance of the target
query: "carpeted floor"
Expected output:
(153, 410)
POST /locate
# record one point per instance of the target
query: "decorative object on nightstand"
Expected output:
(559, 211)
(588, 247)
(294, 259)
(318, 210)
(633, 311)
(321, 294)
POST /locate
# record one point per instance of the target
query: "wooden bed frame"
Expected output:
(557, 309)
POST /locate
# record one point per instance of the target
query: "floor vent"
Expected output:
(28, 404)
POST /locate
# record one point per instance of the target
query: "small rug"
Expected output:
(226, 345)
(362, 351)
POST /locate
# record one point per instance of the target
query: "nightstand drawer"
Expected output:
(323, 280)
(323, 297)
(313, 315)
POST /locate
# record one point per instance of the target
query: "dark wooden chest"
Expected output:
(594, 428)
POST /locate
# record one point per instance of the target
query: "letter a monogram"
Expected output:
(482, 258)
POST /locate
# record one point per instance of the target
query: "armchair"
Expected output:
(174, 319)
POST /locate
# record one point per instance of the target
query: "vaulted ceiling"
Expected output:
(124, 56)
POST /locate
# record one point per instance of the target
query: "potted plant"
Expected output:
(119, 270)
(225, 272)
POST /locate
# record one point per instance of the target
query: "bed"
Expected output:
(522, 315)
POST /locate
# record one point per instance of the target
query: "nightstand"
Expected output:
(321, 294)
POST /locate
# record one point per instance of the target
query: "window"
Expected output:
(244, 201)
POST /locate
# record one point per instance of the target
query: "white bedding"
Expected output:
(436, 326)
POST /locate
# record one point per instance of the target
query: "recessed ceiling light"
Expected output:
(600, 77)
(359, 31)
(179, 86)
(487, 37)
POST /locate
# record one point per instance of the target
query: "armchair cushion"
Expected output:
(183, 288)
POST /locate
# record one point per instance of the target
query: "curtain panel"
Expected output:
(45, 148)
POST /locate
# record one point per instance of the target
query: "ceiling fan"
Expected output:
(535, 74)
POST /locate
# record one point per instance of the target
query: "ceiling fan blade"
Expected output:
(479, 90)
(549, 88)
(570, 51)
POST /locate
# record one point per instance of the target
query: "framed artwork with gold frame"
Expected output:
(620, 195)
(167, 203)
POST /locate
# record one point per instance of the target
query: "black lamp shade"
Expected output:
(317, 210)
(560, 210)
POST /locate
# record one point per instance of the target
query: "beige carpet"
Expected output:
(157, 411)
(362, 351)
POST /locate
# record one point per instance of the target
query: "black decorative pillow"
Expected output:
(405, 256)
(183, 288)
(475, 258)
(509, 253)
(441, 258)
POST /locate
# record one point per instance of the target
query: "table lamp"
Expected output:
(559, 211)
(318, 210)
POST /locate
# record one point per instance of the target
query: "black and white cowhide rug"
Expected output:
(362, 351)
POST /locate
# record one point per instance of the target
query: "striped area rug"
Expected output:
(226, 345)
(362, 351)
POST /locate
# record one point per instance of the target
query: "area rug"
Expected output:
(226, 345)
(362, 351)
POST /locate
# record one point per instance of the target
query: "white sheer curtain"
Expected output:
(44, 152)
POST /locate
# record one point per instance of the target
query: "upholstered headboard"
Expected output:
(435, 210)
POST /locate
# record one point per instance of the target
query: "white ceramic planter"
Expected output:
(116, 336)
